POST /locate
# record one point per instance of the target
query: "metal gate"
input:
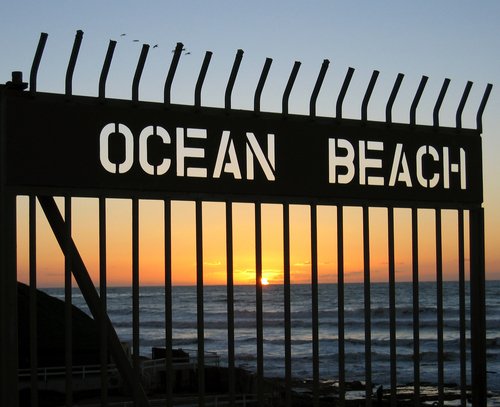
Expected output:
(197, 156)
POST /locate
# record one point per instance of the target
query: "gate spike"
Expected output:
(368, 94)
(392, 98)
(171, 72)
(289, 86)
(72, 62)
(36, 61)
(138, 72)
(416, 99)
(317, 87)
(484, 100)
(260, 85)
(461, 106)
(201, 78)
(105, 69)
(343, 91)
(439, 102)
(232, 79)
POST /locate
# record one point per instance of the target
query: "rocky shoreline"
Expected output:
(329, 394)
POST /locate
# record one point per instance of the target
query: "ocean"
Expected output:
(152, 328)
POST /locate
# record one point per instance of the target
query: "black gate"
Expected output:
(74, 146)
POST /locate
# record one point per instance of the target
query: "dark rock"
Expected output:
(178, 355)
(50, 332)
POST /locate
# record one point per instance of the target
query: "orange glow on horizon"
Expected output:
(50, 261)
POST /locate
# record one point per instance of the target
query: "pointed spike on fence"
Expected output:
(36, 61)
(171, 72)
(105, 69)
(232, 79)
(138, 72)
(462, 103)
(439, 102)
(482, 106)
(317, 87)
(289, 86)
(343, 92)
(72, 62)
(392, 98)
(260, 85)
(368, 94)
(416, 99)
(201, 78)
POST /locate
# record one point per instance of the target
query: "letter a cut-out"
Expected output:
(400, 161)
(226, 149)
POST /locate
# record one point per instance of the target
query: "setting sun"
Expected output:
(264, 281)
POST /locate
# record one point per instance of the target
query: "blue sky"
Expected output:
(441, 39)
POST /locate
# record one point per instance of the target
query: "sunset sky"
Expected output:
(446, 39)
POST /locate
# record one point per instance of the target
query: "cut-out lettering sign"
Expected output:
(118, 145)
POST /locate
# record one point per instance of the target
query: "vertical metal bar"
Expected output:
(105, 69)
(8, 301)
(287, 307)
(33, 301)
(416, 99)
(463, 326)
(201, 79)
(482, 106)
(314, 300)
(416, 307)
(68, 329)
(392, 98)
(135, 287)
(368, 94)
(288, 88)
(232, 79)
(199, 302)
(104, 299)
(367, 306)
(8, 277)
(477, 307)
(169, 369)
(392, 305)
(258, 304)
(439, 102)
(72, 62)
(138, 72)
(340, 302)
(439, 303)
(317, 87)
(343, 92)
(260, 85)
(171, 72)
(461, 105)
(230, 302)
(36, 61)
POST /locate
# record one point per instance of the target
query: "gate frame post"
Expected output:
(477, 307)
(8, 277)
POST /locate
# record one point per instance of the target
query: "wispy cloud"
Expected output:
(215, 263)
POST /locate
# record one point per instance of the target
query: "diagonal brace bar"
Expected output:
(92, 299)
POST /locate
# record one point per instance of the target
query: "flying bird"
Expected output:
(155, 46)
(123, 35)
(136, 40)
